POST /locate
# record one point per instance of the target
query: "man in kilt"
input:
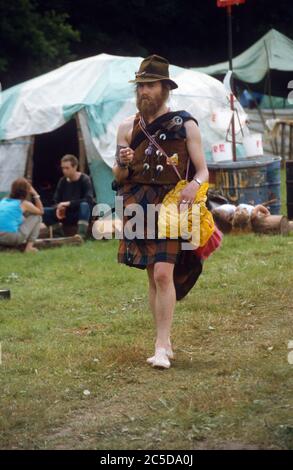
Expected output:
(155, 148)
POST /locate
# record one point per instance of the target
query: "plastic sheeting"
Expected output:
(99, 85)
(272, 51)
(13, 156)
(97, 88)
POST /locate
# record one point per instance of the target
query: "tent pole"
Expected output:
(230, 37)
(28, 174)
(81, 146)
(230, 50)
(269, 80)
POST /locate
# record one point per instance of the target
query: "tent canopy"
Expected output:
(97, 89)
(273, 51)
(99, 86)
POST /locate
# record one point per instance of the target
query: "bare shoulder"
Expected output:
(25, 204)
(192, 132)
(125, 131)
(192, 129)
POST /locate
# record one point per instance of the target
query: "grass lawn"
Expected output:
(77, 321)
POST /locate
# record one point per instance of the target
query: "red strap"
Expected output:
(187, 169)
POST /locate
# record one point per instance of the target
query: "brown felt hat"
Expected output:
(152, 69)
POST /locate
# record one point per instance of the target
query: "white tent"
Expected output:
(97, 90)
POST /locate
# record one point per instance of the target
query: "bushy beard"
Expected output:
(150, 106)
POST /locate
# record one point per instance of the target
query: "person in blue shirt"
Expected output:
(20, 219)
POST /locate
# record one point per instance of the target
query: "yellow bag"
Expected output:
(170, 218)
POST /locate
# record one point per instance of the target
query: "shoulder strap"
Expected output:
(158, 124)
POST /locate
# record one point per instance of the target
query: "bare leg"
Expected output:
(162, 302)
(30, 229)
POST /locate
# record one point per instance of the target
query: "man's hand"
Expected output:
(63, 204)
(188, 194)
(61, 209)
(126, 155)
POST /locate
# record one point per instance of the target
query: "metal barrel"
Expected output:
(250, 180)
(243, 181)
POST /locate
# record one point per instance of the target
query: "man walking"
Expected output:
(155, 148)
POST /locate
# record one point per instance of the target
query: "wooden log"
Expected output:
(53, 242)
(271, 224)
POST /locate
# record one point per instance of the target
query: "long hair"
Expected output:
(19, 189)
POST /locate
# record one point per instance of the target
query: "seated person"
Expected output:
(20, 219)
(245, 214)
(228, 216)
(73, 198)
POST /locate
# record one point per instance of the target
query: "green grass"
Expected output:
(79, 321)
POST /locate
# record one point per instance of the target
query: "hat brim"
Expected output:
(172, 84)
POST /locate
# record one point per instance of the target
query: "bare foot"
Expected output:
(30, 249)
(161, 359)
(168, 352)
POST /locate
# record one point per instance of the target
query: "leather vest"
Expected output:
(171, 139)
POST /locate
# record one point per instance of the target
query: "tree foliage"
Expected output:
(32, 41)
(38, 35)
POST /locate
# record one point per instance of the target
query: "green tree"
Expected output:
(32, 42)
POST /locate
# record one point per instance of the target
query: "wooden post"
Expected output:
(283, 144)
(81, 146)
(28, 173)
(291, 142)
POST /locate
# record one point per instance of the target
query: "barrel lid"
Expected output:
(251, 162)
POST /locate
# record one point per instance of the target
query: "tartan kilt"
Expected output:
(141, 252)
